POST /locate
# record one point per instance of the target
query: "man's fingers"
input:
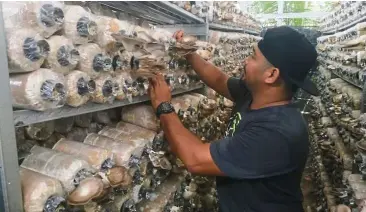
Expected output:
(153, 81)
(150, 91)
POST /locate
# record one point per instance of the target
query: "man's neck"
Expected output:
(267, 100)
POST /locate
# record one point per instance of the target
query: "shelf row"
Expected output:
(27, 117)
(165, 14)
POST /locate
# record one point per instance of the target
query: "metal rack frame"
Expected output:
(163, 14)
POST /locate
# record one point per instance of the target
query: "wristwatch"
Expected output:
(164, 108)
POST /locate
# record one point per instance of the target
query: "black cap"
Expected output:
(292, 53)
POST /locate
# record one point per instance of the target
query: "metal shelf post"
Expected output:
(9, 172)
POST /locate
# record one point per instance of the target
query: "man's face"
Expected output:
(256, 70)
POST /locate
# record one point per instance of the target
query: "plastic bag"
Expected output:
(40, 131)
(119, 85)
(64, 125)
(58, 165)
(122, 150)
(26, 50)
(138, 139)
(41, 192)
(105, 89)
(80, 25)
(77, 134)
(63, 56)
(83, 120)
(39, 90)
(141, 115)
(80, 88)
(106, 27)
(135, 132)
(95, 156)
(45, 17)
(93, 60)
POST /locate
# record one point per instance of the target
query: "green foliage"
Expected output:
(260, 7)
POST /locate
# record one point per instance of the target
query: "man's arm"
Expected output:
(195, 155)
(210, 74)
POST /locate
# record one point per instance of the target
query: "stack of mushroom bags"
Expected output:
(231, 49)
(344, 53)
(223, 12)
(346, 13)
(70, 54)
(229, 13)
(330, 168)
(337, 124)
(205, 116)
(108, 160)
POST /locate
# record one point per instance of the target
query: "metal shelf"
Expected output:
(27, 117)
(156, 12)
(342, 77)
(228, 28)
(347, 26)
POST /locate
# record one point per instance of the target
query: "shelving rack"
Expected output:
(360, 86)
(161, 14)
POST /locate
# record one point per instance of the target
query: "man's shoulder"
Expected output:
(286, 121)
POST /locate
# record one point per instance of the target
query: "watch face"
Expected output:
(165, 108)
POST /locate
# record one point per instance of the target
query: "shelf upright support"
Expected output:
(11, 194)
(363, 97)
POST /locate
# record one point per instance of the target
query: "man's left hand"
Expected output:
(159, 91)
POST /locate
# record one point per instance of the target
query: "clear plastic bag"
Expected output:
(64, 125)
(105, 89)
(80, 25)
(102, 117)
(77, 134)
(106, 27)
(58, 165)
(95, 156)
(45, 17)
(129, 86)
(93, 60)
(40, 192)
(80, 88)
(40, 131)
(120, 86)
(63, 56)
(39, 90)
(83, 120)
(134, 135)
(122, 150)
(141, 115)
(26, 50)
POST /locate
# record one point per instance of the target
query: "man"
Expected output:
(260, 161)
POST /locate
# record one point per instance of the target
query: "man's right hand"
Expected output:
(207, 72)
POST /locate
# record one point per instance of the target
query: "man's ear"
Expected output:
(272, 75)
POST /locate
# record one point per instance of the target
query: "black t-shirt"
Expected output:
(263, 156)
